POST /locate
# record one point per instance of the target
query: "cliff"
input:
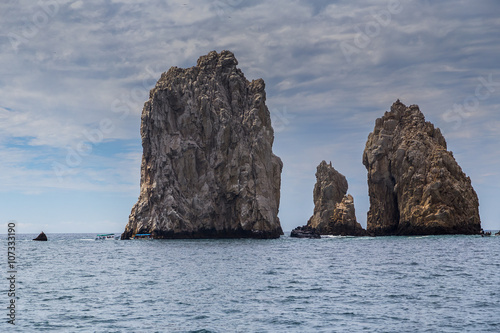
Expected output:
(208, 170)
(415, 185)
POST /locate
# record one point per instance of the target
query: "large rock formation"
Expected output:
(208, 169)
(334, 212)
(415, 185)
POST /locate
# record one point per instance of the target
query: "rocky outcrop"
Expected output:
(334, 212)
(208, 170)
(42, 237)
(415, 185)
(305, 232)
(343, 221)
(330, 188)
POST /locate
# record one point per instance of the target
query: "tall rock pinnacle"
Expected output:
(334, 212)
(330, 189)
(208, 169)
(415, 185)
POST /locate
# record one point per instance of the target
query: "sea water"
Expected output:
(73, 283)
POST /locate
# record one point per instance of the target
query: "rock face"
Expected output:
(330, 188)
(208, 170)
(343, 221)
(415, 185)
(334, 212)
(41, 237)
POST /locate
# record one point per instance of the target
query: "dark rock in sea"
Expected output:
(334, 212)
(415, 185)
(42, 237)
(305, 232)
(497, 234)
(208, 170)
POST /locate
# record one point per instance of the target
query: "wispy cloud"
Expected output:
(94, 60)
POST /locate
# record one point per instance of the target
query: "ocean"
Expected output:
(73, 283)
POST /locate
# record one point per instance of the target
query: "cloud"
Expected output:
(90, 61)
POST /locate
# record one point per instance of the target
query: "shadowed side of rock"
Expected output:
(415, 185)
(208, 170)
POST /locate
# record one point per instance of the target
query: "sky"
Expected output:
(74, 76)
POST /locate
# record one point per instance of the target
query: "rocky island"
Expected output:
(208, 170)
(415, 185)
(334, 212)
(42, 237)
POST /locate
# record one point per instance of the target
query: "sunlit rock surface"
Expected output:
(415, 185)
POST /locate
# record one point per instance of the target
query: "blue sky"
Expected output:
(75, 74)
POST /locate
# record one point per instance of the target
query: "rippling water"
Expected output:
(386, 284)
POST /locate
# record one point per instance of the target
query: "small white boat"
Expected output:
(107, 237)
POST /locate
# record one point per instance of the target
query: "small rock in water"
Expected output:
(305, 232)
(41, 237)
(334, 212)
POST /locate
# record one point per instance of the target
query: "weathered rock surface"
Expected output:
(330, 188)
(343, 221)
(334, 212)
(42, 237)
(415, 185)
(208, 169)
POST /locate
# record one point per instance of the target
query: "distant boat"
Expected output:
(142, 236)
(106, 237)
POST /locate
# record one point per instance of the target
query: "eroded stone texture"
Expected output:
(208, 169)
(343, 221)
(334, 212)
(330, 188)
(415, 185)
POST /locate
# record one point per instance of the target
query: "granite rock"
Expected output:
(208, 170)
(415, 185)
(330, 188)
(343, 221)
(334, 212)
